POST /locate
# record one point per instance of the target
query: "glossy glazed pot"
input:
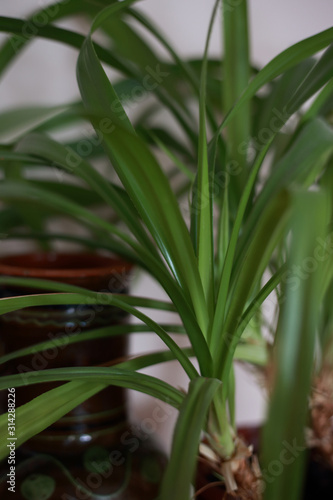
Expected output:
(91, 450)
(103, 412)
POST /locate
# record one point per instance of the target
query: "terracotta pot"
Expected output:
(94, 442)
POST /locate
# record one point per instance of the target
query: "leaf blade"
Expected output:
(180, 470)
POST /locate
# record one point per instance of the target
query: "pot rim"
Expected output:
(62, 265)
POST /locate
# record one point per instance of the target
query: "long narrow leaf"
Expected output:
(44, 147)
(15, 123)
(223, 290)
(171, 287)
(142, 178)
(71, 38)
(266, 237)
(14, 46)
(203, 210)
(54, 286)
(236, 67)
(319, 75)
(180, 471)
(55, 403)
(281, 63)
(49, 407)
(22, 191)
(299, 166)
(295, 350)
(87, 297)
(109, 331)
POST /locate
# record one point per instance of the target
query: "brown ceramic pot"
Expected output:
(103, 412)
(93, 442)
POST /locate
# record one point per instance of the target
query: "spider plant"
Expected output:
(247, 230)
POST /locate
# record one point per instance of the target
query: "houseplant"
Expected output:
(213, 278)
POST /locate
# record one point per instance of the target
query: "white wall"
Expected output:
(46, 74)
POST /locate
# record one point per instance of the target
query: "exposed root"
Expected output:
(320, 436)
(208, 486)
(241, 474)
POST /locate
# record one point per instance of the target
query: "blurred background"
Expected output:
(45, 74)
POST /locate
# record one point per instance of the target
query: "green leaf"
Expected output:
(88, 297)
(14, 46)
(203, 209)
(191, 421)
(267, 235)
(168, 103)
(133, 47)
(319, 75)
(79, 194)
(298, 167)
(24, 191)
(101, 375)
(176, 161)
(144, 181)
(223, 289)
(180, 68)
(281, 63)
(16, 123)
(31, 216)
(55, 403)
(236, 70)
(154, 358)
(57, 154)
(259, 299)
(167, 137)
(6, 154)
(275, 103)
(9, 218)
(293, 360)
(254, 353)
(106, 104)
(71, 38)
(15, 191)
(49, 407)
(150, 191)
(50, 285)
(98, 333)
(322, 104)
(31, 194)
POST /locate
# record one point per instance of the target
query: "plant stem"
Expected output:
(220, 432)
